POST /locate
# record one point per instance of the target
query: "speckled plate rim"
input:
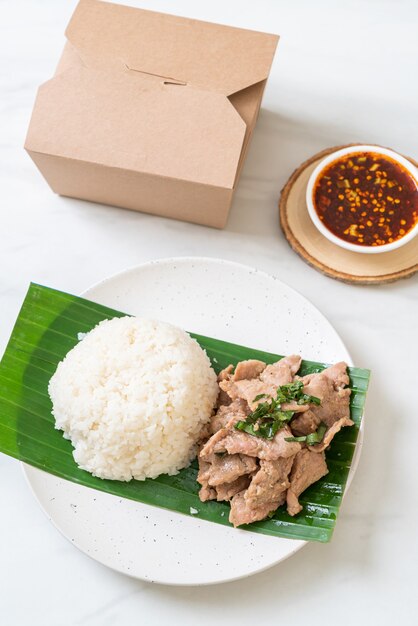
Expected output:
(301, 251)
(30, 472)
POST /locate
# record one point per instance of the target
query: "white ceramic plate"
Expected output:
(220, 299)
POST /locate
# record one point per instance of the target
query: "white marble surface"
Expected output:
(343, 72)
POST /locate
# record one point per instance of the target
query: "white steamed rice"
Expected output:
(133, 396)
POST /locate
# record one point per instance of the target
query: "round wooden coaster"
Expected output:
(317, 251)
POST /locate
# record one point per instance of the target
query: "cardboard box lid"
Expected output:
(149, 94)
(203, 55)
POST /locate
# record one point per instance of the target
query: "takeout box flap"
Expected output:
(200, 54)
(138, 123)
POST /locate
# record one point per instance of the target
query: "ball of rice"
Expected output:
(133, 396)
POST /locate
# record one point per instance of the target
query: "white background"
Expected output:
(343, 72)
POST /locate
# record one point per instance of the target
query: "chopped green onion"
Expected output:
(306, 399)
(268, 416)
(260, 395)
(312, 438)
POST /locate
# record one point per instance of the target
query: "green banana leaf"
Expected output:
(47, 328)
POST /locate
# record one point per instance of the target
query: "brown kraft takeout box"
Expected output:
(150, 112)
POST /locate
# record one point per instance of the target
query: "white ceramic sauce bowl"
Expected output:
(407, 165)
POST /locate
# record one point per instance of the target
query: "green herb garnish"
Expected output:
(306, 399)
(294, 392)
(268, 417)
(312, 438)
(260, 395)
(264, 425)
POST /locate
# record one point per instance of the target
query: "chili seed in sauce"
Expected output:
(367, 199)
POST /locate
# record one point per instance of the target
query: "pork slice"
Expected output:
(307, 468)
(272, 377)
(330, 433)
(245, 389)
(222, 477)
(281, 372)
(238, 442)
(207, 493)
(225, 374)
(241, 513)
(203, 473)
(269, 484)
(267, 491)
(304, 423)
(338, 375)
(229, 414)
(227, 468)
(211, 446)
(328, 386)
(205, 431)
(217, 421)
(226, 491)
(248, 369)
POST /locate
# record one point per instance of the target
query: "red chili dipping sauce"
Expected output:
(367, 199)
